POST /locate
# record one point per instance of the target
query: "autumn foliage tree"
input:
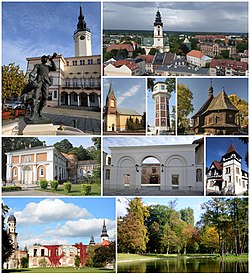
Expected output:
(13, 81)
(132, 232)
(242, 106)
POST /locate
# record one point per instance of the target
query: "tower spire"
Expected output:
(211, 90)
(81, 25)
(158, 21)
(104, 235)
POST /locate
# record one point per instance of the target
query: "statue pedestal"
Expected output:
(37, 121)
(39, 129)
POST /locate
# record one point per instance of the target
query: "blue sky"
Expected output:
(144, 141)
(31, 29)
(172, 102)
(129, 92)
(61, 221)
(218, 146)
(182, 203)
(199, 87)
(202, 16)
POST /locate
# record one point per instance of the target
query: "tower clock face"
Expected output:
(82, 37)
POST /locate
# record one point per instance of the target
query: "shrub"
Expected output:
(11, 188)
(43, 184)
(54, 184)
(24, 262)
(85, 189)
(67, 187)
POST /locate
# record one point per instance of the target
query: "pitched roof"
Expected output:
(221, 102)
(217, 165)
(126, 111)
(128, 47)
(147, 58)
(129, 64)
(196, 53)
(231, 149)
(237, 65)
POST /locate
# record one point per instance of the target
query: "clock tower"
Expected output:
(82, 37)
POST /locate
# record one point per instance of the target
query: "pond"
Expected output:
(184, 265)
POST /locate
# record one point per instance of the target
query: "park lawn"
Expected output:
(242, 257)
(59, 270)
(75, 190)
(135, 257)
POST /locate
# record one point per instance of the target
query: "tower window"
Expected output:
(41, 172)
(82, 62)
(90, 61)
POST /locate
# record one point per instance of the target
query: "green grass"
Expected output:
(137, 257)
(58, 270)
(11, 188)
(75, 190)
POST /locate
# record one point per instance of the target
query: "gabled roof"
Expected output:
(128, 47)
(221, 102)
(217, 165)
(196, 53)
(204, 107)
(129, 64)
(237, 65)
(147, 58)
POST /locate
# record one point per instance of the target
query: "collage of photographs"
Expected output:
(125, 137)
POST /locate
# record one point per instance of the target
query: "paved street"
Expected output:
(150, 191)
(87, 121)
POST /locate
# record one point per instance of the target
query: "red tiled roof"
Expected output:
(196, 53)
(146, 58)
(127, 63)
(128, 47)
(217, 165)
(231, 149)
(237, 65)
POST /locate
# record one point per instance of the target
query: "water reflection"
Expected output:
(184, 265)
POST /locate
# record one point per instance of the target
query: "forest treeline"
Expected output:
(222, 228)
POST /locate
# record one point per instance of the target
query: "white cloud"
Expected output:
(127, 95)
(50, 210)
(83, 228)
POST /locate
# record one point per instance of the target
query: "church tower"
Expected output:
(104, 236)
(12, 230)
(231, 163)
(110, 111)
(158, 31)
(161, 98)
(82, 38)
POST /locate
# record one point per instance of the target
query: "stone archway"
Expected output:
(64, 98)
(83, 99)
(150, 171)
(126, 172)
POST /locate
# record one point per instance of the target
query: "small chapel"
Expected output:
(116, 118)
(217, 116)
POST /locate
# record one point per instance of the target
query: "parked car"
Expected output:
(14, 105)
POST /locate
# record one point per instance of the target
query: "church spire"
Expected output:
(158, 21)
(104, 235)
(111, 90)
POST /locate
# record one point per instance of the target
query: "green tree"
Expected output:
(210, 239)
(184, 103)
(13, 81)
(242, 106)
(150, 83)
(7, 245)
(104, 255)
(153, 51)
(187, 215)
(63, 146)
(77, 261)
(241, 46)
(132, 232)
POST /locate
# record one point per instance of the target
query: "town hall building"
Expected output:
(77, 80)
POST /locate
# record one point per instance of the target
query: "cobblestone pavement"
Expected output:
(87, 121)
(150, 191)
